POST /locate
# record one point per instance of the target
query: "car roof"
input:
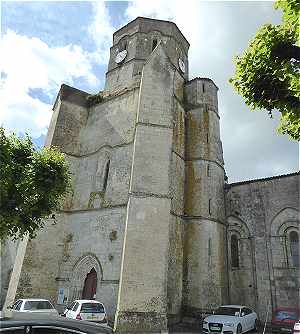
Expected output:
(235, 306)
(295, 309)
(87, 301)
(58, 322)
(34, 299)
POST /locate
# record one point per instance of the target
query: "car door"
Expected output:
(73, 311)
(252, 317)
(244, 319)
(69, 310)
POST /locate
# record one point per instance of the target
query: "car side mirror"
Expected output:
(243, 314)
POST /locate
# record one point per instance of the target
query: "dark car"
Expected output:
(283, 319)
(51, 325)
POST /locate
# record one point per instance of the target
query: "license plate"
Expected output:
(285, 329)
(91, 317)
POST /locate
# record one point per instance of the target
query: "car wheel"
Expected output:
(239, 329)
(255, 328)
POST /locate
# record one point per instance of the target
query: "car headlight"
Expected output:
(229, 324)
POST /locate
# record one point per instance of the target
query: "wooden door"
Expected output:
(90, 285)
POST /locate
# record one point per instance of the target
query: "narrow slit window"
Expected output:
(154, 43)
(209, 206)
(123, 46)
(207, 138)
(234, 247)
(203, 87)
(208, 170)
(294, 247)
(106, 175)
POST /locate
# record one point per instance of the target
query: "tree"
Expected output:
(268, 73)
(32, 185)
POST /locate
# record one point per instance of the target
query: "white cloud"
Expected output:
(29, 63)
(101, 30)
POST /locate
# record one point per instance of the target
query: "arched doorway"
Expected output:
(90, 285)
(86, 278)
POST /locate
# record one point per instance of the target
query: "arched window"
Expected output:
(154, 43)
(234, 245)
(294, 248)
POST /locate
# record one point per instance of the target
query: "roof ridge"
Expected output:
(263, 179)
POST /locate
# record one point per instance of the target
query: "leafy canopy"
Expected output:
(268, 73)
(32, 185)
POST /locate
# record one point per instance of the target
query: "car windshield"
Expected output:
(233, 311)
(92, 308)
(37, 305)
(286, 315)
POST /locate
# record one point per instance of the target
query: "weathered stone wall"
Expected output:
(262, 213)
(90, 226)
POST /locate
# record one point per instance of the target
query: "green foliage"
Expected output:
(32, 185)
(268, 73)
(95, 99)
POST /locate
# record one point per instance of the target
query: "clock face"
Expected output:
(181, 65)
(120, 56)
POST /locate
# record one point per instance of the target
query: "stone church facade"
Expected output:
(152, 229)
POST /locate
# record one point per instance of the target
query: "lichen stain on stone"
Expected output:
(66, 247)
(97, 200)
(193, 130)
(178, 131)
(190, 183)
(206, 132)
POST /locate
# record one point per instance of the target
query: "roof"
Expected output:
(199, 78)
(150, 19)
(262, 179)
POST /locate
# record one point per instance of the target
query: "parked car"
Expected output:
(85, 309)
(51, 325)
(231, 319)
(42, 307)
(284, 319)
(297, 327)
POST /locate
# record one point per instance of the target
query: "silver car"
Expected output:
(33, 306)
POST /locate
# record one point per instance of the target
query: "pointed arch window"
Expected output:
(106, 172)
(294, 248)
(234, 247)
(154, 43)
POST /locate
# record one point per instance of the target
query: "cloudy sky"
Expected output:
(45, 44)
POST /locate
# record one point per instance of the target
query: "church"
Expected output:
(152, 228)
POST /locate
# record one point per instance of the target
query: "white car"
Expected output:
(297, 327)
(230, 319)
(89, 310)
(33, 306)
